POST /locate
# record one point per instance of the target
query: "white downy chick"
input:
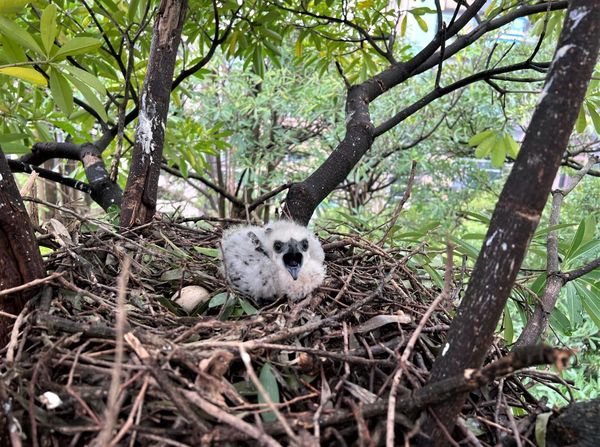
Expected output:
(282, 258)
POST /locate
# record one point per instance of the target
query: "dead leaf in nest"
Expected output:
(381, 320)
(362, 394)
(60, 232)
(137, 346)
(217, 364)
(308, 364)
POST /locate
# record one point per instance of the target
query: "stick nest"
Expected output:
(232, 372)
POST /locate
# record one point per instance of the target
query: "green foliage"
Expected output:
(269, 382)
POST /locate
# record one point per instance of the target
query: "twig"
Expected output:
(263, 393)
(30, 284)
(389, 437)
(137, 404)
(405, 197)
(233, 421)
(113, 405)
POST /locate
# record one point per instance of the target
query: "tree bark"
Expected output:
(20, 259)
(139, 200)
(520, 206)
(575, 425)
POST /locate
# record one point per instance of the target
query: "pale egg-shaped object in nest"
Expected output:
(190, 296)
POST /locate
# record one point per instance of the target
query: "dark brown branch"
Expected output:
(214, 44)
(442, 91)
(19, 166)
(581, 271)
(103, 190)
(218, 189)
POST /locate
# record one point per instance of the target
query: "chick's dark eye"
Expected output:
(278, 246)
(304, 245)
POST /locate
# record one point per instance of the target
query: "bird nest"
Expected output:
(104, 357)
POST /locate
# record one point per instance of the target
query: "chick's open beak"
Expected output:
(292, 259)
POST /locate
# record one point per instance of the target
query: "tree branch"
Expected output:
(19, 166)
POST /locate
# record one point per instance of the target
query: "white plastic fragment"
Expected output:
(50, 400)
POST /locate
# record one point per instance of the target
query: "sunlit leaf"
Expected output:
(48, 28)
(26, 74)
(8, 137)
(12, 6)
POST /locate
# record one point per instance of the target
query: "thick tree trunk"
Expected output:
(20, 259)
(520, 206)
(139, 200)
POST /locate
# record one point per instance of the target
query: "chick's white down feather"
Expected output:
(262, 261)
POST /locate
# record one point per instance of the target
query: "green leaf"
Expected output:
(8, 137)
(486, 146)
(483, 218)
(539, 284)
(559, 321)
(422, 23)
(509, 332)
(212, 252)
(269, 382)
(543, 231)
(498, 154)
(582, 235)
(218, 300)
(465, 248)
(477, 139)
(89, 96)
(13, 52)
(248, 308)
(19, 35)
(584, 251)
(77, 45)
(26, 74)
(573, 302)
(86, 77)
(61, 92)
(132, 10)
(403, 25)
(594, 115)
(48, 28)
(512, 147)
(590, 299)
(434, 275)
(12, 6)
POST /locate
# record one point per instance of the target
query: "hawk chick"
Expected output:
(282, 258)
